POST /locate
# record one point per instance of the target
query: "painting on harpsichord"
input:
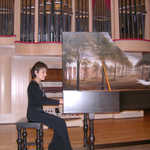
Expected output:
(92, 61)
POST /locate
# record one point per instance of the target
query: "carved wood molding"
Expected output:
(7, 40)
(134, 45)
(43, 48)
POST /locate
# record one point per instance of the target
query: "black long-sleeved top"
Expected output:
(36, 100)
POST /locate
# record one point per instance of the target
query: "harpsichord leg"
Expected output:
(91, 131)
(85, 130)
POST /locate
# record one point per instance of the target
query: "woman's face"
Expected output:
(41, 74)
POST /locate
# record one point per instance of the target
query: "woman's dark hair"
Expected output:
(37, 66)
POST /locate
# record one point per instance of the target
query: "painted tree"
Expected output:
(144, 62)
(104, 49)
(85, 62)
(75, 48)
(95, 67)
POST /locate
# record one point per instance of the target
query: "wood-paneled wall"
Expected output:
(14, 79)
(21, 66)
(5, 78)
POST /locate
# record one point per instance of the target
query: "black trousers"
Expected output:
(60, 140)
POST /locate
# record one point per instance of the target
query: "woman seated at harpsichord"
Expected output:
(36, 99)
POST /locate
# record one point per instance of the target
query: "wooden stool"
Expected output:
(22, 135)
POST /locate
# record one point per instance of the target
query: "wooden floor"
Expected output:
(110, 131)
